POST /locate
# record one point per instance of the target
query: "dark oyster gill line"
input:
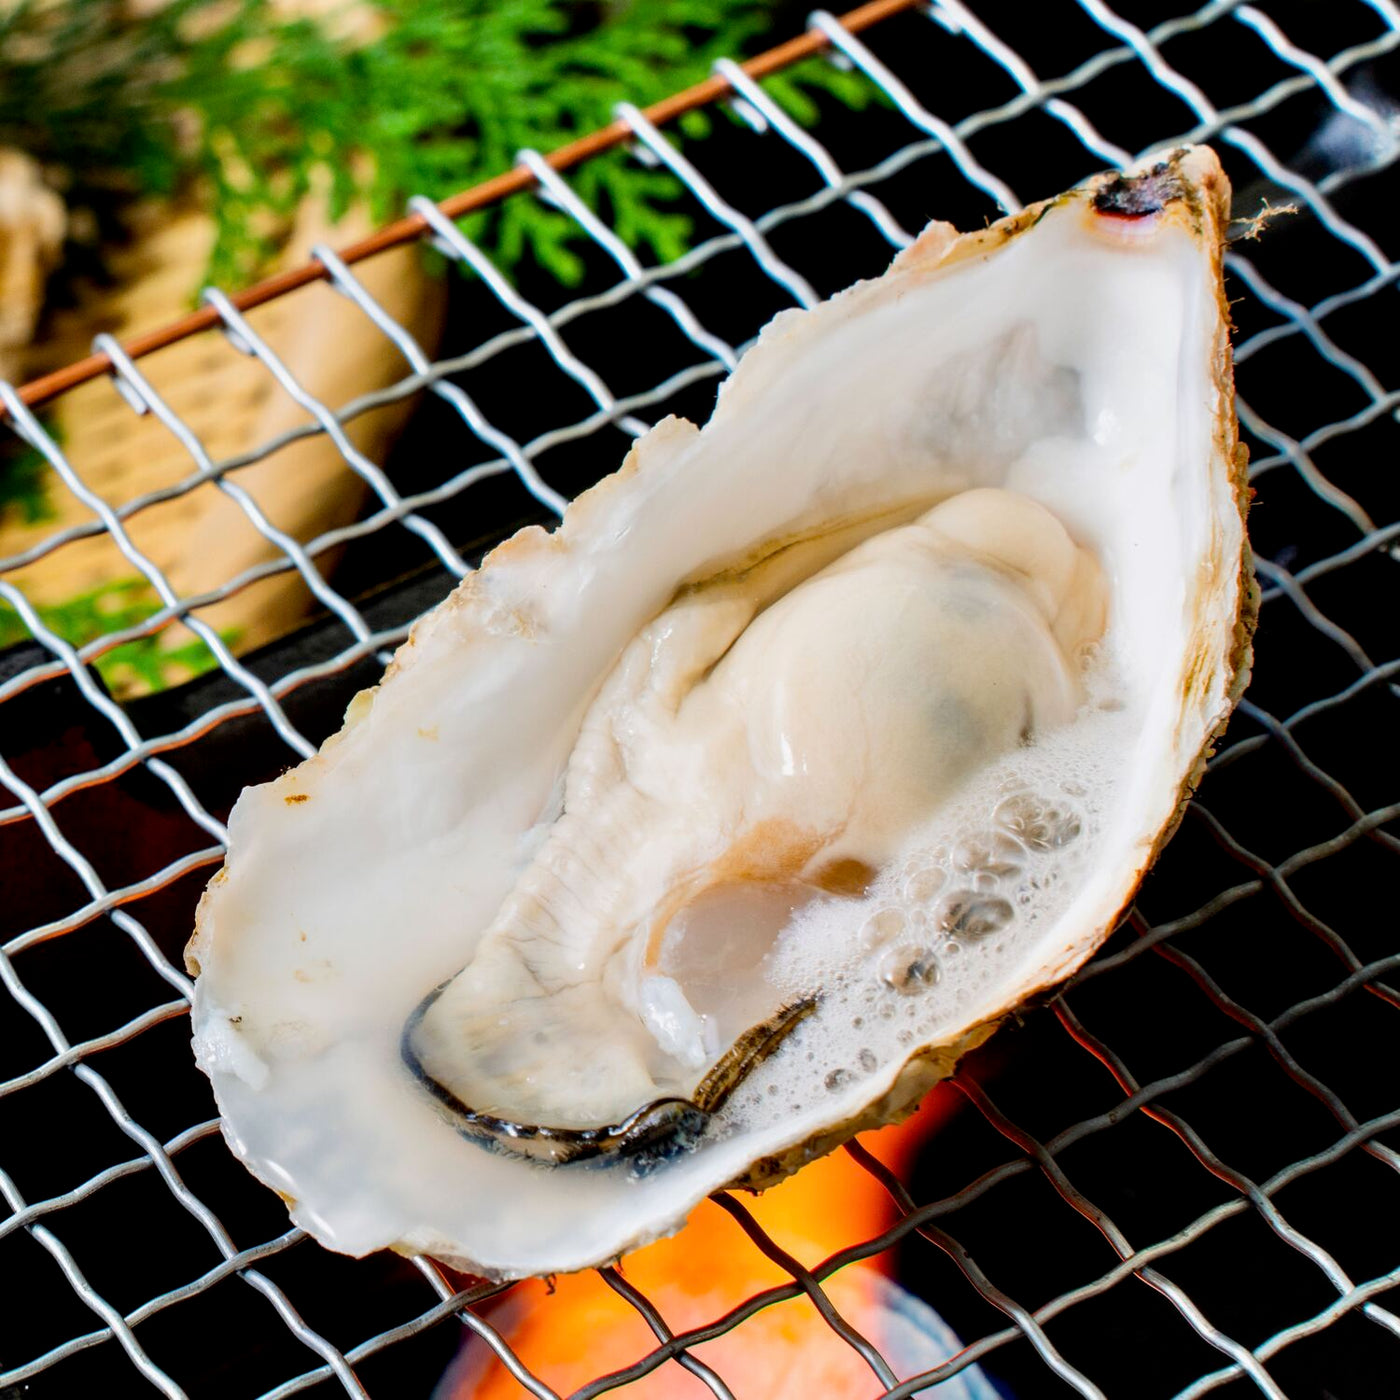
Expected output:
(647, 1137)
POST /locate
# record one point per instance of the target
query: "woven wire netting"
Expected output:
(1177, 1178)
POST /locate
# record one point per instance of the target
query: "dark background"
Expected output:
(1266, 952)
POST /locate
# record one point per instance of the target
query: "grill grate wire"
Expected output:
(1241, 867)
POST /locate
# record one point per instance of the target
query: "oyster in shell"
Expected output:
(684, 842)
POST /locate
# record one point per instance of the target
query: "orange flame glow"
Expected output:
(583, 1329)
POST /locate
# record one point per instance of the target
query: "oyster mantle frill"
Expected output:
(714, 826)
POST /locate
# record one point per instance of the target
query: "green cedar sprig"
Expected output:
(139, 665)
(254, 108)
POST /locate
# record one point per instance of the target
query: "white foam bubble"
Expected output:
(955, 923)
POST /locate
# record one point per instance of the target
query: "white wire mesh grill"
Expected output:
(1325, 677)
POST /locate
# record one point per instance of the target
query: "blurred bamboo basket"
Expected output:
(232, 403)
(201, 538)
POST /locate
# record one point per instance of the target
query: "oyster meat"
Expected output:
(685, 841)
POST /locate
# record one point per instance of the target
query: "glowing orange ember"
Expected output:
(584, 1329)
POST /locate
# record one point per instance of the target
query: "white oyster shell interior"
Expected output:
(756, 752)
(985, 499)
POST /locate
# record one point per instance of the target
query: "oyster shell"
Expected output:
(698, 835)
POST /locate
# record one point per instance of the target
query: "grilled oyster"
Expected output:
(683, 842)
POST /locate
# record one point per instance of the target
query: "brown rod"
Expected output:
(405, 230)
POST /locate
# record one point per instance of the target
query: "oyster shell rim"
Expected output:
(937, 249)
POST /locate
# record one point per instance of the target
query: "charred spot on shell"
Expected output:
(646, 1139)
(1139, 196)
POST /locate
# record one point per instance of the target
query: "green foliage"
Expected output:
(24, 475)
(142, 664)
(258, 108)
